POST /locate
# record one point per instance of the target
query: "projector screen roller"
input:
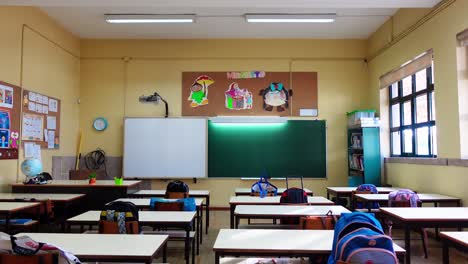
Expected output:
(165, 148)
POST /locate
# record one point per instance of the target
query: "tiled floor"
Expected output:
(220, 219)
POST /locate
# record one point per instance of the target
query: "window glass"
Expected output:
(408, 141)
(434, 140)
(421, 109)
(407, 86)
(396, 115)
(433, 112)
(407, 113)
(421, 80)
(396, 144)
(422, 141)
(394, 90)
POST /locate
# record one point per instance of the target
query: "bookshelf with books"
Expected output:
(363, 156)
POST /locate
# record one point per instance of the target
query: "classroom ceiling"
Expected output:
(356, 19)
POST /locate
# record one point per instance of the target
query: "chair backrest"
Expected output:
(176, 195)
(168, 206)
(45, 258)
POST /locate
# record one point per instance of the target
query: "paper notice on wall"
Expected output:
(32, 106)
(39, 98)
(51, 139)
(53, 105)
(51, 122)
(32, 150)
(39, 108)
(33, 126)
(32, 97)
(6, 96)
(45, 109)
(45, 100)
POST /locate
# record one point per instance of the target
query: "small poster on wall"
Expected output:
(199, 91)
(237, 98)
(33, 128)
(6, 96)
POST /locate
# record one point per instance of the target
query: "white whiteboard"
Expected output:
(165, 148)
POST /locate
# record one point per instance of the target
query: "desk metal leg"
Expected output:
(187, 245)
(217, 257)
(328, 195)
(165, 252)
(199, 232)
(232, 207)
(408, 244)
(201, 225)
(7, 223)
(207, 211)
(445, 253)
(237, 222)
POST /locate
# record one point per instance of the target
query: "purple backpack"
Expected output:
(403, 195)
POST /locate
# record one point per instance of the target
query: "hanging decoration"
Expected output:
(199, 91)
(237, 98)
(276, 95)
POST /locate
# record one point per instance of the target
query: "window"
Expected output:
(412, 116)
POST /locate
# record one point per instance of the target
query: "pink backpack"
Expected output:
(403, 195)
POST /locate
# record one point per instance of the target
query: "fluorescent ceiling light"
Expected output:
(146, 18)
(249, 120)
(290, 18)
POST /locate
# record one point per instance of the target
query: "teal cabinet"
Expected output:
(364, 156)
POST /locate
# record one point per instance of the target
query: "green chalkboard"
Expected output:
(297, 147)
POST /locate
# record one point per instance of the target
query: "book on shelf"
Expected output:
(356, 140)
(356, 162)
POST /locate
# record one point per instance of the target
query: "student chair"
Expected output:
(174, 235)
(422, 230)
(359, 205)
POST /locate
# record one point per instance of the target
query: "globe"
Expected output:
(31, 167)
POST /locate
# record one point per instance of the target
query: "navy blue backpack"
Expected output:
(359, 238)
(294, 195)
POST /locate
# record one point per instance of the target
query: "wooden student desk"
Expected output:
(192, 193)
(9, 209)
(106, 247)
(258, 242)
(346, 191)
(458, 240)
(436, 199)
(144, 203)
(180, 220)
(97, 195)
(283, 211)
(62, 201)
(247, 191)
(268, 200)
(417, 217)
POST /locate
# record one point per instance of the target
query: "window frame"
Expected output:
(430, 123)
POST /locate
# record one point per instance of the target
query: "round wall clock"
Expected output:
(100, 124)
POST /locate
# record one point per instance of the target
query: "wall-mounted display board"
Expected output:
(41, 120)
(10, 114)
(254, 93)
(297, 147)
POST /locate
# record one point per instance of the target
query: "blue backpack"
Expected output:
(263, 187)
(359, 238)
(367, 188)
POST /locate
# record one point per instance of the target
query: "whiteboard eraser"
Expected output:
(308, 112)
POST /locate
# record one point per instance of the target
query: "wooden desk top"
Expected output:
(247, 191)
(288, 210)
(80, 183)
(426, 214)
(145, 202)
(16, 206)
(458, 237)
(144, 217)
(277, 241)
(351, 189)
(272, 200)
(424, 197)
(62, 197)
(104, 245)
(159, 193)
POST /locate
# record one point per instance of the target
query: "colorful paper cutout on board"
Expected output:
(237, 98)
(276, 95)
(199, 91)
(4, 119)
(14, 139)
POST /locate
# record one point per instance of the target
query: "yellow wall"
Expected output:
(110, 87)
(439, 33)
(47, 68)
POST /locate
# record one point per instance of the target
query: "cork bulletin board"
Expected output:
(10, 114)
(41, 120)
(245, 93)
